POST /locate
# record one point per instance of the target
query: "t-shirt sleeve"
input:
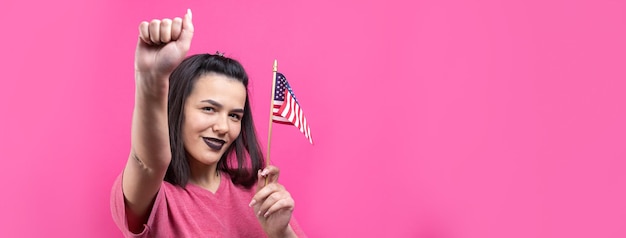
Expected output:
(118, 209)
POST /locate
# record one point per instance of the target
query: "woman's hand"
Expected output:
(272, 204)
(162, 45)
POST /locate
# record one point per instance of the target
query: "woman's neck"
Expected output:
(205, 176)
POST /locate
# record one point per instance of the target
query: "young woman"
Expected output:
(195, 168)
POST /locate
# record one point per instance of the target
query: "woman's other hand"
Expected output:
(273, 204)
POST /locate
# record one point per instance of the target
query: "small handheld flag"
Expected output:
(286, 109)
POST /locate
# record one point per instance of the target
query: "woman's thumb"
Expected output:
(187, 32)
(260, 180)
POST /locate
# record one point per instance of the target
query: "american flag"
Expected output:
(286, 108)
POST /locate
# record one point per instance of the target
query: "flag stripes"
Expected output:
(286, 108)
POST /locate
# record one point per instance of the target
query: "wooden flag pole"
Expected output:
(269, 134)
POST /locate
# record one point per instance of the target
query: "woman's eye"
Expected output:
(208, 109)
(235, 116)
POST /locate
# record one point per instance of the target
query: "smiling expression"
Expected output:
(213, 113)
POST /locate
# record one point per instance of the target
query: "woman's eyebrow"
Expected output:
(214, 103)
(220, 106)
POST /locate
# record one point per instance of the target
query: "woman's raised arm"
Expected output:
(162, 45)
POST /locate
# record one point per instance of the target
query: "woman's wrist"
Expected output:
(152, 86)
(287, 233)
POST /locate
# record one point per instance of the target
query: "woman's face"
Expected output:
(213, 113)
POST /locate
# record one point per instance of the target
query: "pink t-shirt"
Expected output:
(195, 212)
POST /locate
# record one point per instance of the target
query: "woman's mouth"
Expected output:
(213, 143)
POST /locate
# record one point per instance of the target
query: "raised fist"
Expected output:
(162, 45)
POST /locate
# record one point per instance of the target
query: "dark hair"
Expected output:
(246, 146)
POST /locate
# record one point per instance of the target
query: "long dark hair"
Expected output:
(246, 146)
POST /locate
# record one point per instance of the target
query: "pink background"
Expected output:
(431, 119)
